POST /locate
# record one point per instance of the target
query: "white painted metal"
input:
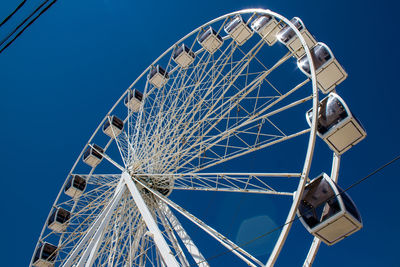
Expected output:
(74, 166)
(316, 241)
(114, 240)
(310, 151)
(100, 222)
(187, 241)
(89, 256)
(174, 241)
(114, 133)
(312, 252)
(109, 159)
(134, 247)
(133, 150)
(241, 253)
(96, 242)
(335, 167)
(162, 245)
(258, 174)
(255, 183)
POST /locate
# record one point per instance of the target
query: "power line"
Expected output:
(298, 217)
(23, 22)
(12, 14)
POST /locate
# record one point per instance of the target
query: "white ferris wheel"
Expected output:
(192, 121)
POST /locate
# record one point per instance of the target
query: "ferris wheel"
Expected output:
(193, 121)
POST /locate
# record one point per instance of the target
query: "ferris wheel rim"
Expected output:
(312, 136)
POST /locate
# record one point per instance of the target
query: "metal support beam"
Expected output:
(91, 251)
(140, 230)
(317, 242)
(310, 149)
(159, 240)
(182, 257)
(235, 249)
(312, 252)
(100, 223)
(187, 241)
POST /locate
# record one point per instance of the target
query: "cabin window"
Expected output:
(331, 113)
(232, 24)
(260, 22)
(319, 202)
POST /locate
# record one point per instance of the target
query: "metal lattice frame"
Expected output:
(221, 108)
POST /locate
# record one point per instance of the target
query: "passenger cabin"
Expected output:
(75, 186)
(337, 126)
(210, 40)
(158, 76)
(238, 30)
(93, 155)
(183, 56)
(113, 126)
(328, 212)
(267, 27)
(133, 100)
(58, 220)
(288, 37)
(45, 255)
(328, 71)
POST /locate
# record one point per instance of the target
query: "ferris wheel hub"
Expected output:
(163, 184)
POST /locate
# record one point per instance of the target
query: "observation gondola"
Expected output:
(210, 40)
(288, 37)
(113, 126)
(337, 126)
(183, 56)
(133, 100)
(329, 72)
(158, 76)
(58, 220)
(267, 27)
(93, 155)
(327, 212)
(75, 186)
(45, 255)
(238, 30)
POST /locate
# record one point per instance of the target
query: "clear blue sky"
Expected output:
(62, 75)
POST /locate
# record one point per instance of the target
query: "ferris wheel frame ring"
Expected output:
(312, 136)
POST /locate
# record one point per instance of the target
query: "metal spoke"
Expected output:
(241, 253)
(207, 115)
(256, 183)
